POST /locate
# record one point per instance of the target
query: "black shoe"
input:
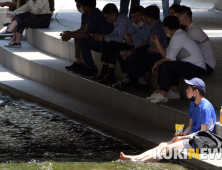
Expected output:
(73, 66)
(6, 24)
(138, 87)
(89, 71)
(122, 86)
(99, 76)
(108, 79)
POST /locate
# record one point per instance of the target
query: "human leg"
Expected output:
(165, 5)
(124, 5)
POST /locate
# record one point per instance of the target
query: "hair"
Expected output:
(195, 88)
(172, 22)
(89, 3)
(52, 5)
(110, 9)
(152, 11)
(185, 11)
(175, 7)
(137, 8)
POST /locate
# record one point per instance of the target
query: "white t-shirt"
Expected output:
(204, 43)
(183, 48)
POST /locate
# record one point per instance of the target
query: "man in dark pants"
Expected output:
(182, 58)
(112, 43)
(96, 24)
(148, 57)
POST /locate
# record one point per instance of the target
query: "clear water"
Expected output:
(34, 137)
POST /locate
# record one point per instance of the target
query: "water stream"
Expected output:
(35, 137)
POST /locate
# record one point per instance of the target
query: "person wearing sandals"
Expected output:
(34, 14)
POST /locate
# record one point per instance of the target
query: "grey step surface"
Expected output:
(49, 70)
(48, 40)
(140, 134)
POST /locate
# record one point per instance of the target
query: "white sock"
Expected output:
(142, 81)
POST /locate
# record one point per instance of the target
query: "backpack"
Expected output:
(205, 139)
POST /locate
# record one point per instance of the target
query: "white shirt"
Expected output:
(183, 48)
(204, 43)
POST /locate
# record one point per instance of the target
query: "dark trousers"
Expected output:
(209, 69)
(124, 6)
(27, 19)
(139, 69)
(111, 49)
(86, 45)
(171, 71)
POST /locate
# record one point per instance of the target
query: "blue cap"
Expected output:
(198, 83)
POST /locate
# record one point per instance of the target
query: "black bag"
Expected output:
(205, 139)
(138, 54)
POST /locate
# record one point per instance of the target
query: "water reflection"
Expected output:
(34, 137)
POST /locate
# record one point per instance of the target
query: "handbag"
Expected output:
(205, 139)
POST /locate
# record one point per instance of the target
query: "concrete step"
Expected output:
(49, 70)
(48, 40)
(141, 134)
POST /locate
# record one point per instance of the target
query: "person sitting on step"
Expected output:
(183, 58)
(34, 14)
(114, 42)
(199, 36)
(79, 63)
(173, 10)
(202, 117)
(96, 24)
(146, 57)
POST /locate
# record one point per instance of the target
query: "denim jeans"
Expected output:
(86, 45)
(165, 4)
(124, 6)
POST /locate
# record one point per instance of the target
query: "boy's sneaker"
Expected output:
(153, 95)
(6, 34)
(173, 95)
(158, 98)
(13, 45)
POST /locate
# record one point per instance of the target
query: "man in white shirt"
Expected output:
(182, 58)
(197, 34)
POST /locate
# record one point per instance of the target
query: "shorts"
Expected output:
(186, 144)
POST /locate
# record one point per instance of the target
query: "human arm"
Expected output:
(189, 128)
(22, 9)
(161, 49)
(39, 7)
(3, 4)
(18, 5)
(128, 37)
(179, 138)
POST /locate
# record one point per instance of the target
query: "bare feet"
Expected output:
(126, 157)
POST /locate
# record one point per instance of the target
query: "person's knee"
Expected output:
(162, 144)
(166, 65)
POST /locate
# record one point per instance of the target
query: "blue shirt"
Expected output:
(122, 24)
(97, 24)
(143, 33)
(157, 29)
(202, 114)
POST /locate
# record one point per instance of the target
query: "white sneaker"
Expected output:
(158, 98)
(152, 95)
(173, 95)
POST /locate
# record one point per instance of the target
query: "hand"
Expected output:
(155, 49)
(98, 37)
(129, 40)
(154, 38)
(68, 32)
(126, 54)
(178, 138)
(66, 37)
(155, 68)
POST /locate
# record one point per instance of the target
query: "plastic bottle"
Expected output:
(221, 115)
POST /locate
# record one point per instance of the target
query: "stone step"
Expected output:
(141, 134)
(48, 40)
(49, 70)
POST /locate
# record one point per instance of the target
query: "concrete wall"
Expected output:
(218, 5)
